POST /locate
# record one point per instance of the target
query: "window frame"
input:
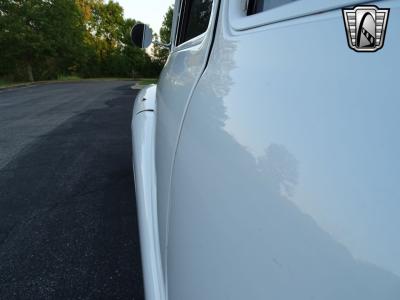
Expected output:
(240, 21)
(195, 40)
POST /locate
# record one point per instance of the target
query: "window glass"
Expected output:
(194, 19)
(256, 6)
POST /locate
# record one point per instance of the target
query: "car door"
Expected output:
(192, 35)
(285, 182)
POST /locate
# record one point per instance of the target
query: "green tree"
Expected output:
(110, 51)
(161, 54)
(40, 37)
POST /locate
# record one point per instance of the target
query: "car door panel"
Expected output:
(285, 177)
(176, 84)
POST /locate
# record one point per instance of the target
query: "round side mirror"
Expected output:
(141, 35)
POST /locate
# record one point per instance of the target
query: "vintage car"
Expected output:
(267, 157)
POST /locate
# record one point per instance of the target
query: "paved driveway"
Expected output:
(68, 227)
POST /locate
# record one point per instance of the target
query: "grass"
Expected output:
(4, 83)
(68, 78)
(74, 78)
(140, 81)
(146, 81)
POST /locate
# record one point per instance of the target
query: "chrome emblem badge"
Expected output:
(365, 27)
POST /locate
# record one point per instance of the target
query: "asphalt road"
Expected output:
(68, 226)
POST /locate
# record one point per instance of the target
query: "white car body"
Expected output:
(266, 160)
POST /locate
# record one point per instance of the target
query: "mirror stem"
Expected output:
(162, 45)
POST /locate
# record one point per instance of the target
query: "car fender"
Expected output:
(143, 143)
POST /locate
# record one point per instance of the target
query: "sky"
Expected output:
(147, 11)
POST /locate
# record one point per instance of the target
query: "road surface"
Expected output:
(68, 227)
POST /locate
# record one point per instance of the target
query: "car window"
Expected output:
(256, 6)
(194, 19)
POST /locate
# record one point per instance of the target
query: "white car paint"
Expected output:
(176, 85)
(143, 145)
(273, 169)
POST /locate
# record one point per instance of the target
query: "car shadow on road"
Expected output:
(68, 226)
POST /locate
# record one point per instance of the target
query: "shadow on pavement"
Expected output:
(68, 227)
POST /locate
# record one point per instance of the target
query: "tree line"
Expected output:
(49, 39)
